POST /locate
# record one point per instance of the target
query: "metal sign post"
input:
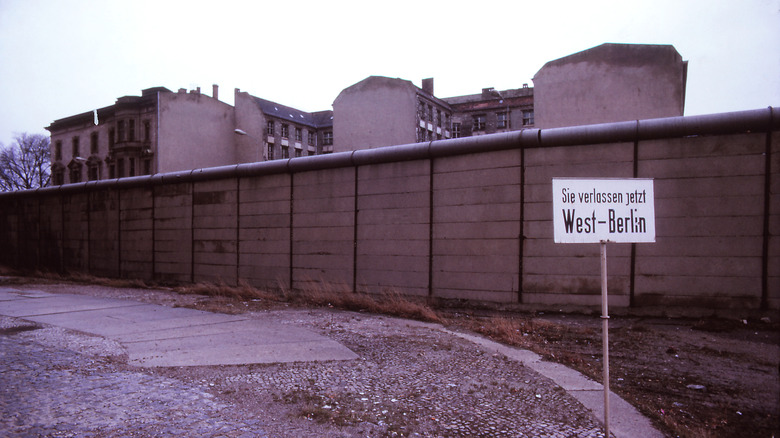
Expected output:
(605, 334)
(602, 211)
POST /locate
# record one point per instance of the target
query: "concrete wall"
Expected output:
(462, 219)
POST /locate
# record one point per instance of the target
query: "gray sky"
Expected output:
(63, 57)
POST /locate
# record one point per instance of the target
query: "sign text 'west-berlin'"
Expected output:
(596, 210)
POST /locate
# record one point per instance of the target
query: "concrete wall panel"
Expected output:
(463, 263)
(323, 236)
(264, 234)
(393, 228)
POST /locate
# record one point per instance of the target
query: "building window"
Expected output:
(528, 117)
(270, 151)
(297, 152)
(131, 130)
(285, 152)
(58, 150)
(93, 172)
(131, 164)
(120, 167)
(456, 130)
(76, 147)
(438, 117)
(111, 138)
(112, 171)
(285, 130)
(312, 138)
(147, 131)
(478, 123)
(75, 173)
(298, 134)
(147, 167)
(57, 177)
(269, 128)
(93, 143)
(120, 129)
(501, 121)
(327, 138)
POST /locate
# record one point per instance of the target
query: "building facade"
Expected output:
(159, 131)
(162, 131)
(380, 111)
(492, 111)
(607, 83)
(611, 83)
(268, 130)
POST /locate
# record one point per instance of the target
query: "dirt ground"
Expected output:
(693, 377)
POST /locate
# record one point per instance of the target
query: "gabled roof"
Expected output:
(321, 119)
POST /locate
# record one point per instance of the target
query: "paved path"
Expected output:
(168, 336)
(50, 390)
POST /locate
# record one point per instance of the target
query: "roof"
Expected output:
(321, 119)
(629, 55)
(148, 96)
(375, 81)
(498, 95)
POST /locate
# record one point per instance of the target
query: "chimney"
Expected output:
(427, 85)
(215, 91)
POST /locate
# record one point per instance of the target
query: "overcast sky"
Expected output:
(63, 57)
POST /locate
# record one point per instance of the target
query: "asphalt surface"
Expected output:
(76, 365)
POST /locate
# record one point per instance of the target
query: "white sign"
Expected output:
(603, 210)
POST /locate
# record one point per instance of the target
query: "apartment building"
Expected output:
(607, 83)
(162, 131)
(159, 131)
(611, 83)
(380, 111)
(268, 130)
(492, 111)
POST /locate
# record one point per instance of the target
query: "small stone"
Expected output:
(697, 387)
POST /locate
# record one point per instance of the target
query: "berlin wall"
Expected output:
(465, 219)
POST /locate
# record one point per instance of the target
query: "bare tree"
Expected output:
(25, 163)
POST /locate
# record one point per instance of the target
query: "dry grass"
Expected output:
(312, 293)
(323, 294)
(73, 277)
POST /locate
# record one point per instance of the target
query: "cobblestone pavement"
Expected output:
(46, 390)
(409, 380)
